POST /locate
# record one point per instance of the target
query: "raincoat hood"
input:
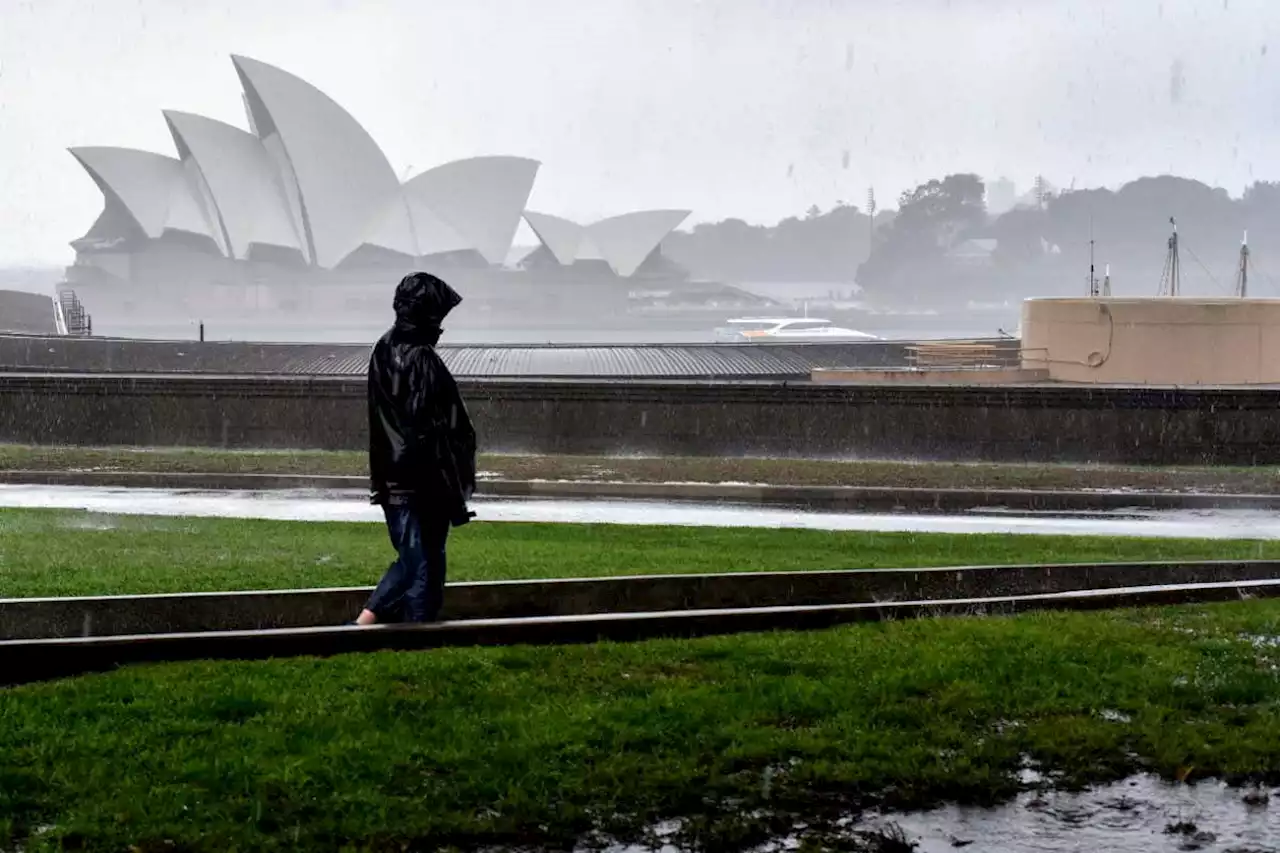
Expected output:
(422, 302)
(422, 445)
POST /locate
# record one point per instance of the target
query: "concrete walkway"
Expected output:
(842, 498)
(353, 506)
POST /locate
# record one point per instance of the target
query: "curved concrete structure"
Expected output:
(623, 242)
(432, 235)
(307, 179)
(343, 178)
(158, 193)
(289, 180)
(411, 228)
(242, 179)
(296, 228)
(1154, 341)
(561, 236)
(480, 198)
(391, 230)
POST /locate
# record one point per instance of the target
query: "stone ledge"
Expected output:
(35, 660)
(26, 618)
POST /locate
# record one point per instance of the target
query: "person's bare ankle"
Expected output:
(366, 617)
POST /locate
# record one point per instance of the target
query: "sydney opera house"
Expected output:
(298, 228)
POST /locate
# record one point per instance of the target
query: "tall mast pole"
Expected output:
(1093, 279)
(1242, 288)
(871, 219)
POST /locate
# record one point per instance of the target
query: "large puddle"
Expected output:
(1138, 815)
(353, 505)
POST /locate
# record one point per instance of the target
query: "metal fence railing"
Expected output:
(962, 355)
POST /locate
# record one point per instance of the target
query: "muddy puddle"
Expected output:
(1138, 815)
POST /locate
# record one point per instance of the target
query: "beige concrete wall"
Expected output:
(1153, 341)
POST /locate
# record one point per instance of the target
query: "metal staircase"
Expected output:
(71, 317)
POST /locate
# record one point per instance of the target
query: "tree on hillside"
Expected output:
(1020, 236)
(1039, 250)
(932, 219)
(821, 246)
(1260, 207)
(1262, 195)
(1130, 229)
(946, 208)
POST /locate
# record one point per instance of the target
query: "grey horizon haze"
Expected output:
(752, 109)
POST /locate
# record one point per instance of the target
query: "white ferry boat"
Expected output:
(787, 329)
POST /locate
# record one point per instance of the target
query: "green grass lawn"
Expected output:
(678, 469)
(45, 552)
(741, 738)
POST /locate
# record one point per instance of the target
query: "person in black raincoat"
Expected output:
(422, 452)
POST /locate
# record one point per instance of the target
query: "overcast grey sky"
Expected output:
(750, 108)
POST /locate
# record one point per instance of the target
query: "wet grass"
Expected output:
(735, 739)
(54, 552)
(1260, 480)
(182, 460)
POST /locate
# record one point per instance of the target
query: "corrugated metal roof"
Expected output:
(647, 361)
(342, 362)
(652, 361)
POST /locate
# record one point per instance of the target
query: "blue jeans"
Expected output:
(412, 590)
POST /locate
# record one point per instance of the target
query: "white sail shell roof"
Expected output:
(561, 236)
(623, 242)
(246, 187)
(392, 230)
(422, 232)
(307, 178)
(433, 234)
(158, 192)
(344, 180)
(480, 198)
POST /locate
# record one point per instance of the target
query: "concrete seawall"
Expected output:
(1207, 426)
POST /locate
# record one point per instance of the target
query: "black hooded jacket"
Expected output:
(422, 446)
